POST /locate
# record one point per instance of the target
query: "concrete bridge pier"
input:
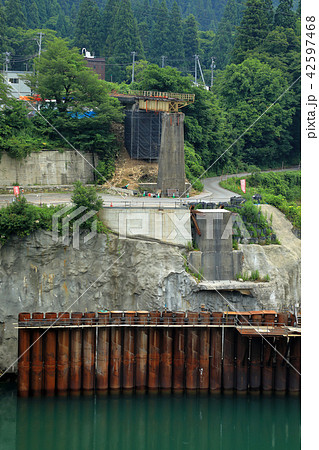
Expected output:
(171, 164)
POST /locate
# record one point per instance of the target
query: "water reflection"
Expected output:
(153, 422)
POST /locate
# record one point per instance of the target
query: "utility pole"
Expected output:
(196, 58)
(133, 70)
(197, 63)
(7, 61)
(163, 61)
(201, 72)
(212, 67)
(39, 42)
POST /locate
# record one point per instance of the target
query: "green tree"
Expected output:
(284, 16)
(270, 13)
(175, 53)
(143, 14)
(108, 24)
(160, 34)
(206, 43)
(193, 166)
(3, 27)
(223, 42)
(17, 134)
(4, 91)
(88, 27)
(33, 16)
(246, 91)
(42, 11)
(82, 110)
(86, 196)
(191, 40)
(63, 26)
(252, 30)
(151, 77)
(125, 39)
(14, 14)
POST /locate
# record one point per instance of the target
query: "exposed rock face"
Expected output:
(38, 274)
(281, 262)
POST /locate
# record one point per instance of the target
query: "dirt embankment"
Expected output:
(131, 171)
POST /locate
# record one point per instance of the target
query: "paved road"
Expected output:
(212, 192)
(218, 194)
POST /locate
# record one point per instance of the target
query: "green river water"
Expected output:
(150, 422)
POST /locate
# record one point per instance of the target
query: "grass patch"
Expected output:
(253, 276)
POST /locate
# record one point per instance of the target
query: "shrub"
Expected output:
(21, 219)
(86, 196)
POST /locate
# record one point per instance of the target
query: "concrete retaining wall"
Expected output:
(47, 168)
(216, 259)
(168, 225)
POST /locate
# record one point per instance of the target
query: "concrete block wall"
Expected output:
(47, 167)
(168, 225)
(215, 259)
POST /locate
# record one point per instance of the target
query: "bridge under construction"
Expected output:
(154, 131)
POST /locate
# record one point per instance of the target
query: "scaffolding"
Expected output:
(143, 134)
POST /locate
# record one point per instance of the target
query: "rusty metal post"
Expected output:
(63, 351)
(295, 360)
(269, 318)
(228, 360)
(36, 355)
(204, 345)
(166, 363)
(76, 354)
(116, 351)
(103, 353)
(128, 351)
(49, 355)
(154, 352)
(141, 351)
(256, 318)
(179, 353)
(255, 364)
(89, 335)
(281, 365)
(192, 352)
(24, 356)
(282, 319)
(242, 363)
(267, 367)
(215, 381)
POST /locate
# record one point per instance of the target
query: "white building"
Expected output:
(16, 82)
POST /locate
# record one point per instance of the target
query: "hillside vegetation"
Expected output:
(249, 116)
(280, 189)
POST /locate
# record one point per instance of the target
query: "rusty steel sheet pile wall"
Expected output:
(158, 351)
(76, 355)
(49, 356)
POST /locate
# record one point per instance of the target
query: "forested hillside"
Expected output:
(255, 45)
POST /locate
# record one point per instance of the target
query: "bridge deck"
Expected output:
(156, 100)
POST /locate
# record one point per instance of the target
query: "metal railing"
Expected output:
(164, 95)
(144, 205)
(121, 319)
